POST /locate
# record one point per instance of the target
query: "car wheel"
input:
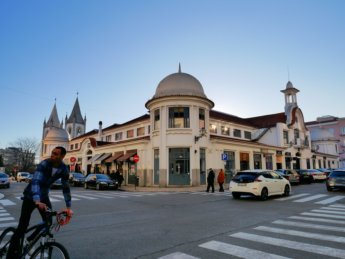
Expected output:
(329, 189)
(98, 187)
(286, 190)
(236, 195)
(264, 194)
(85, 185)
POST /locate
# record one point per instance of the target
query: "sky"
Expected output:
(113, 54)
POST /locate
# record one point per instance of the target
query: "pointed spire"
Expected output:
(179, 67)
(76, 114)
(53, 120)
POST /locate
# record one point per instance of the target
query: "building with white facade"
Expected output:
(182, 136)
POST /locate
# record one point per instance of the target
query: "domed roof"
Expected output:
(57, 134)
(289, 85)
(179, 84)
(321, 134)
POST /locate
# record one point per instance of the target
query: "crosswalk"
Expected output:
(316, 233)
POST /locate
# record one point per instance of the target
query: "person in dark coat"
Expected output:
(210, 180)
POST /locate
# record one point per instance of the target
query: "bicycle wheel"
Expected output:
(5, 239)
(51, 250)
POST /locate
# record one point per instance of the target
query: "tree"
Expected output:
(26, 149)
(1, 161)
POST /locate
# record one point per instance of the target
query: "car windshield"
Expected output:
(25, 174)
(246, 175)
(78, 175)
(102, 177)
(337, 174)
(3, 175)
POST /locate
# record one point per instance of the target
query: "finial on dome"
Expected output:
(179, 67)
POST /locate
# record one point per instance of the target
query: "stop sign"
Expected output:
(72, 159)
(135, 158)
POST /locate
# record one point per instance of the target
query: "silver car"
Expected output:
(336, 180)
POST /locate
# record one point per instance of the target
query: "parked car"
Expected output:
(76, 179)
(336, 180)
(325, 170)
(29, 178)
(21, 176)
(289, 174)
(100, 181)
(259, 183)
(304, 176)
(57, 184)
(4, 180)
(316, 174)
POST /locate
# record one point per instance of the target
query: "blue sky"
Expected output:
(115, 53)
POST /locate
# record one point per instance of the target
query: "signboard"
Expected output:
(72, 159)
(135, 158)
(224, 156)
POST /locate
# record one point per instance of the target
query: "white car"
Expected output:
(22, 176)
(260, 183)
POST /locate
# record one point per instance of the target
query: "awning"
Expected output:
(101, 158)
(94, 158)
(126, 156)
(114, 157)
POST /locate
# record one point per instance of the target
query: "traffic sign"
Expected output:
(224, 156)
(72, 159)
(135, 158)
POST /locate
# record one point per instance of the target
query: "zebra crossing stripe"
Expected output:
(6, 202)
(8, 224)
(337, 206)
(316, 249)
(322, 215)
(6, 218)
(332, 209)
(178, 255)
(239, 251)
(85, 197)
(331, 200)
(101, 196)
(323, 237)
(62, 197)
(318, 220)
(310, 198)
(4, 214)
(330, 212)
(308, 225)
(293, 197)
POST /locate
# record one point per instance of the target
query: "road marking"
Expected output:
(6, 218)
(330, 200)
(8, 224)
(62, 197)
(322, 215)
(330, 212)
(100, 196)
(323, 237)
(4, 214)
(239, 251)
(85, 197)
(293, 197)
(6, 202)
(332, 208)
(337, 206)
(310, 198)
(317, 249)
(308, 225)
(178, 255)
(318, 220)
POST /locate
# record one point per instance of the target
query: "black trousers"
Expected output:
(210, 184)
(28, 207)
(221, 188)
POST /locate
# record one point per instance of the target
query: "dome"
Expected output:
(289, 85)
(57, 134)
(321, 134)
(179, 84)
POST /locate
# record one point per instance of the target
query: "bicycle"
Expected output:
(42, 232)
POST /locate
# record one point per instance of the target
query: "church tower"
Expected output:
(75, 125)
(290, 93)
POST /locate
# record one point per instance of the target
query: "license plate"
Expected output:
(242, 184)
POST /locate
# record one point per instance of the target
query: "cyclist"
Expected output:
(36, 195)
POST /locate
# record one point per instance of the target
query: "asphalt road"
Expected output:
(166, 225)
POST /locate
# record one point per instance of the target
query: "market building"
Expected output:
(182, 136)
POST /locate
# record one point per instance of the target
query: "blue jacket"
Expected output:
(39, 187)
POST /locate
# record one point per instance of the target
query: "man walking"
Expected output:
(210, 180)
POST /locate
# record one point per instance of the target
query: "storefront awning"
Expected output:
(101, 158)
(126, 156)
(94, 158)
(114, 157)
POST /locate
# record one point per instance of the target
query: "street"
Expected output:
(128, 224)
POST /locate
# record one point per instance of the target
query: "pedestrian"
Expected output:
(36, 195)
(210, 180)
(221, 179)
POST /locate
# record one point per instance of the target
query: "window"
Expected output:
(156, 120)
(213, 128)
(331, 130)
(306, 141)
(257, 161)
(71, 147)
(118, 136)
(225, 130)
(78, 131)
(130, 133)
(286, 137)
(179, 117)
(149, 129)
(141, 131)
(237, 133)
(343, 131)
(76, 145)
(108, 138)
(269, 163)
(247, 135)
(296, 135)
(201, 118)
